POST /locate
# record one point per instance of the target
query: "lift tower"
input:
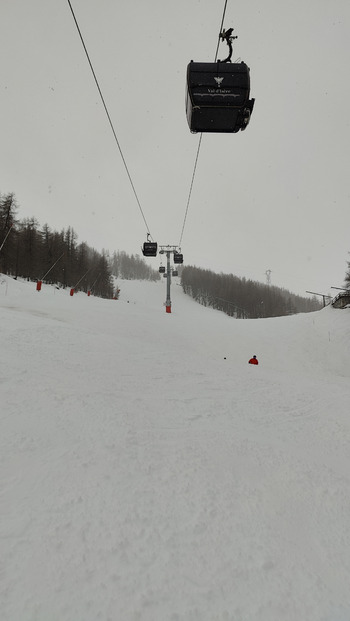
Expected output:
(178, 258)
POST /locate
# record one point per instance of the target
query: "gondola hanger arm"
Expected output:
(226, 35)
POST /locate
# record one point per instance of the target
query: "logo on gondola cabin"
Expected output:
(218, 81)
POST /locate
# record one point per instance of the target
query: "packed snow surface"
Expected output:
(150, 474)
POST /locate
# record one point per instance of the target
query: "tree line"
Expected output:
(347, 276)
(241, 298)
(131, 267)
(28, 251)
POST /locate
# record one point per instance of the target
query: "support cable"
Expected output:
(108, 116)
(201, 136)
(221, 29)
(191, 186)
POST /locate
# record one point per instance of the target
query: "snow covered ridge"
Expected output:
(149, 473)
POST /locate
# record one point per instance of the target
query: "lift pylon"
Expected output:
(178, 258)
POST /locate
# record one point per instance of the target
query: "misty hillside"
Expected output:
(242, 298)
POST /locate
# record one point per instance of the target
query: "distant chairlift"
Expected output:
(217, 98)
(161, 269)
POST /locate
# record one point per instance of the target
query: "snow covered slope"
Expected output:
(149, 473)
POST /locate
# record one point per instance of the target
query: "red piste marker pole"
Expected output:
(40, 282)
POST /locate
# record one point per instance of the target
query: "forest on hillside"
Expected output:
(131, 267)
(41, 254)
(241, 298)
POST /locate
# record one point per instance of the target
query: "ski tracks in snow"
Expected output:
(145, 478)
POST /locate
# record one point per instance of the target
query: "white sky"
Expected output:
(275, 197)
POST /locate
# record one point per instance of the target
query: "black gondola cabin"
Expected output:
(150, 249)
(217, 97)
(178, 258)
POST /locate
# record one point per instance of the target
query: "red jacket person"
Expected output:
(253, 360)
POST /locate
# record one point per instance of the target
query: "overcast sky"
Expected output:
(275, 197)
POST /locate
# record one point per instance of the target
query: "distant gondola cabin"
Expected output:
(217, 97)
(150, 249)
(178, 258)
